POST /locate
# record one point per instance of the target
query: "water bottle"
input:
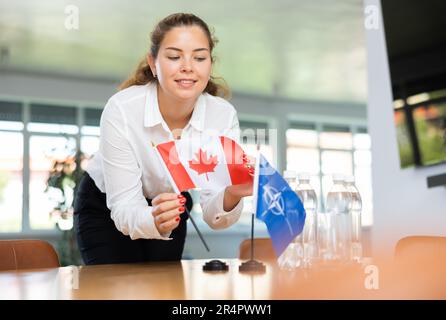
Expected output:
(309, 200)
(292, 257)
(338, 207)
(355, 215)
(326, 236)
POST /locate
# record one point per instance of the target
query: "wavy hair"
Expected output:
(142, 75)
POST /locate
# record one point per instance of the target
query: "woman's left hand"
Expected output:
(234, 193)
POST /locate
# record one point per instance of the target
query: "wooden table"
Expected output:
(186, 280)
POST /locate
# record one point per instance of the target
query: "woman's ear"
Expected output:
(151, 63)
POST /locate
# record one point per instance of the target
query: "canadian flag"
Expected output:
(208, 162)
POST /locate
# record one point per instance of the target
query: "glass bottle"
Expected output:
(309, 200)
(338, 207)
(355, 217)
(292, 257)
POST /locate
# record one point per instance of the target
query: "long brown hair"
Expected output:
(143, 75)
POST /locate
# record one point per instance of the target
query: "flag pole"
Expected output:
(252, 236)
(254, 265)
(196, 228)
(175, 188)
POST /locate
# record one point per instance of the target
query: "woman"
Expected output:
(170, 96)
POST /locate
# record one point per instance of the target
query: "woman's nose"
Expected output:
(186, 67)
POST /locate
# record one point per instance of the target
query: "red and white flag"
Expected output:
(208, 162)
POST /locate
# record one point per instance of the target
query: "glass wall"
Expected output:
(323, 150)
(40, 140)
(11, 166)
(37, 137)
(11, 180)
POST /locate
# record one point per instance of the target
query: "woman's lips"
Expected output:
(185, 83)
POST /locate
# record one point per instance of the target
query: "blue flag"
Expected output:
(278, 206)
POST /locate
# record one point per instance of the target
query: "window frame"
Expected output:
(319, 126)
(25, 105)
(282, 122)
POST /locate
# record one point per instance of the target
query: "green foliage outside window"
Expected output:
(65, 176)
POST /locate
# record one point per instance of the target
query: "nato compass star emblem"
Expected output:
(273, 198)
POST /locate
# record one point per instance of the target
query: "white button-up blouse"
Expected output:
(127, 169)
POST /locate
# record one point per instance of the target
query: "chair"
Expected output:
(27, 254)
(263, 249)
(421, 248)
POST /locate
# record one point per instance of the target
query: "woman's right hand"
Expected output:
(166, 211)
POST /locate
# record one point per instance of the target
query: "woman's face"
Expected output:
(183, 64)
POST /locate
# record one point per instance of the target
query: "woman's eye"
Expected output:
(173, 58)
(200, 59)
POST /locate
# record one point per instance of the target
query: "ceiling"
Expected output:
(297, 49)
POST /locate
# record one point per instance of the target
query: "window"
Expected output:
(251, 133)
(36, 135)
(430, 128)
(303, 153)
(323, 150)
(363, 173)
(30, 146)
(420, 122)
(335, 143)
(53, 130)
(54, 119)
(403, 138)
(89, 146)
(90, 134)
(44, 151)
(11, 185)
(11, 166)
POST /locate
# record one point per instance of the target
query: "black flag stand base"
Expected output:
(215, 265)
(252, 265)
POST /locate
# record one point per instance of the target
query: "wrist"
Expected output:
(232, 194)
(230, 199)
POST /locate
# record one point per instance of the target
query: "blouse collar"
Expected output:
(153, 117)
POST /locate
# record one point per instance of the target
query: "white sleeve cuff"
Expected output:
(137, 223)
(152, 231)
(214, 214)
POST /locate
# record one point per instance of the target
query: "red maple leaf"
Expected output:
(203, 164)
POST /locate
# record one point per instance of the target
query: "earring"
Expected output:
(155, 76)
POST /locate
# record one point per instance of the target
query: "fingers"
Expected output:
(169, 225)
(169, 205)
(167, 208)
(162, 197)
(251, 168)
(168, 215)
(167, 221)
(249, 163)
(251, 160)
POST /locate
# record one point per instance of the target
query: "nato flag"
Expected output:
(278, 206)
